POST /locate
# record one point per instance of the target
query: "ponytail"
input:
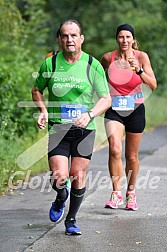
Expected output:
(135, 44)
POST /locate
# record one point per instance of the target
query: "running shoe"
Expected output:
(71, 228)
(115, 201)
(57, 208)
(131, 201)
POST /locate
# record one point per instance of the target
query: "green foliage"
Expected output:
(19, 43)
(101, 18)
(20, 40)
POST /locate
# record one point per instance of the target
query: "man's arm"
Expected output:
(39, 100)
(100, 107)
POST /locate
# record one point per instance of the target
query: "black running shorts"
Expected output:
(73, 141)
(134, 121)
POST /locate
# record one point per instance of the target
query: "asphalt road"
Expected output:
(25, 226)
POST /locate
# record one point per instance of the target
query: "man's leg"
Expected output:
(78, 172)
(59, 168)
(78, 175)
(81, 152)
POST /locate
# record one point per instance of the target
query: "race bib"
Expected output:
(71, 111)
(123, 103)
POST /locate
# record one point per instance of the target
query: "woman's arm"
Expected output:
(147, 76)
(106, 60)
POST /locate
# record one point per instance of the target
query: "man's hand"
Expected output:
(43, 117)
(82, 120)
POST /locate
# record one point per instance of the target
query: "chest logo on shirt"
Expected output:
(61, 68)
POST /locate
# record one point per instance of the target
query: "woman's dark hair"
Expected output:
(126, 27)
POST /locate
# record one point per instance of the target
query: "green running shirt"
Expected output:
(70, 92)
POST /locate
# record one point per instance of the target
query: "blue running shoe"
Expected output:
(57, 208)
(71, 228)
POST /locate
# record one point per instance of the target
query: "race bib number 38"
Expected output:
(122, 103)
(71, 111)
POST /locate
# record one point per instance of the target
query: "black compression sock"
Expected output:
(62, 193)
(76, 197)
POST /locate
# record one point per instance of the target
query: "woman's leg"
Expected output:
(114, 130)
(132, 161)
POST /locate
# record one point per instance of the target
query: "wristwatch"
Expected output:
(91, 114)
(140, 71)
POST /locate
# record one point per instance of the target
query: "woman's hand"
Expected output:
(134, 64)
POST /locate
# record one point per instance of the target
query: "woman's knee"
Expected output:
(115, 150)
(131, 157)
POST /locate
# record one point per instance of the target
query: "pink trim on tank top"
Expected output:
(132, 83)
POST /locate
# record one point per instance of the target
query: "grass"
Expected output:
(12, 166)
(27, 154)
(156, 111)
